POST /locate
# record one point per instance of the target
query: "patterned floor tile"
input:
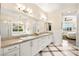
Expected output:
(51, 45)
(66, 49)
(76, 52)
(68, 53)
(57, 53)
(45, 49)
(46, 54)
(53, 48)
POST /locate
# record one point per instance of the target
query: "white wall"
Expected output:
(55, 17)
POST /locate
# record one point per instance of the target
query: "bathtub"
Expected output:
(70, 35)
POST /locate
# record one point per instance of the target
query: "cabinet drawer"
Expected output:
(11, 48)
(13, 53)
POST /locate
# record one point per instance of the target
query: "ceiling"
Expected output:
(49, 7)
(52, 7)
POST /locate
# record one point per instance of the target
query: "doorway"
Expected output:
(69, 28)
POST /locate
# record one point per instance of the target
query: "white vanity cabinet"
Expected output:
(35, 46)
(42, 43)
(51, 38)
(1, 52)
(11, 50)
(25, 48)
(48, 40)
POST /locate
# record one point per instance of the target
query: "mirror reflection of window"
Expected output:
(17, 27)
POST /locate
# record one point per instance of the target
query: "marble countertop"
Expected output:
(9, 42)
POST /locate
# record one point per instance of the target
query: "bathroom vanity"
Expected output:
(26, 46)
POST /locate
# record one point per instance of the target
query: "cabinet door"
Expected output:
(48, 39)
(25, 48)
(51, 38)
(42, 43)
(35, 47)
(1, 51)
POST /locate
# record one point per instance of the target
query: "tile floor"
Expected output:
(66, 49)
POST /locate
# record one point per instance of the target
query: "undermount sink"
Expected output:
(40, 34)
(36, 34)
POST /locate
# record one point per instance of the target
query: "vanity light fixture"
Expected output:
(23, 9)
(29, 10)
(20, 7)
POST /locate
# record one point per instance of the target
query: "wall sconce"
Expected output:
(28, 11)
